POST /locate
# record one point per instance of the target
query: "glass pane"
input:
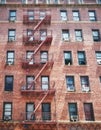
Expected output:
(13, 13)
(12, 33)
(10, 54)
(67, 55)
(30, 107)
(7, 106)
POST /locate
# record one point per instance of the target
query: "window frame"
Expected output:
(73, 113)
(81, 61)
(29, 53)
(68, 84)
(44, 56)
(78, 38)
(46, 114)
(12, 17)
(10, 61)
(89, 112)
(65, 35)
(12, 37)
(11, 84)
(68, 61)
(98, 59)
(8, 117)
(45, 84)
(30, 84)
(77, 17)
(85, 83)
(92, 18)
(96, 38)
(27, 111)
(63, 14)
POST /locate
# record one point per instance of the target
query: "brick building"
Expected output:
(50, 65)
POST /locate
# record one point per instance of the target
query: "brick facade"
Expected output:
(57, 71)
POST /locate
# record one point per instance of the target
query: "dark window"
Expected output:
(81, 58)
(10, 58)
(96, 35)
(70, 83)
(11, 35)
(85, 83)
(30, 15)
(55, 1)
(12, 15)
(44, 56)
(76, 15)
(92, 15)
(29, 82)
(29, 57)
(7, 111)
(63, 14)
(29, 111)
(98, 57)
(68, 58)
(73, 111)
(78, 35)
(89, 114)
(45, 82)
(100, 78)
(9, 83)
(46, 111)
(65, 35)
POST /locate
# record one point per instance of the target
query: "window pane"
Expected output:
(70, 83)
(89, 114)
(81, 58)
(44, 57)
(45, 83)
(8, 83)
(63, 15)
(68, 58)
(46, 111)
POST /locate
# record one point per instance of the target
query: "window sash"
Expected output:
(63, 15)
(44, 57)
(73, 109)
(29, 110)
(7, 111)
(45, 83)
(9, 83)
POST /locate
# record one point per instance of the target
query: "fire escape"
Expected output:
(32, 38)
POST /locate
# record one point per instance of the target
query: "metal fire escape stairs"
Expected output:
(42, 69)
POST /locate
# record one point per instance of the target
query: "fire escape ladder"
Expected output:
(37, 49)
(39, 24)
(42, 69)
(46, 93)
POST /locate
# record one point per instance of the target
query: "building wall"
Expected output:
(59, 102)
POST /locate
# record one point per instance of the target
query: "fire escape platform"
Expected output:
(38, 92)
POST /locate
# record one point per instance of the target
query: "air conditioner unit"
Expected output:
(85, 89)
(70, 88)
(7, 117)
(66, 39)
(99, 62)
(74, 118)
(10, 62)
(11, 40)
(12, 19)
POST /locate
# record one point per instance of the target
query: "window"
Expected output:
(98, 57)
(96, 35)
(29, 82)
(78, 35)
(76, 15)
(3, 1)
(46, 111)
(85, 83)
(24, 1)
(9, 83)
(42, 14)
(7, 111)
(81, 58)
(11, 35)
(43, 34)
(73, 111)
(45, 82)
(68, 58)
(65, 35)
(88, 110)
(92, 15)
(55, 1)
(29, 56)
(44, 56)
(99, 1)
(12, 15)
(100, 79)
(29, 110)
(70, 83)
(10, 58)
(30, 15)
(63, 14)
